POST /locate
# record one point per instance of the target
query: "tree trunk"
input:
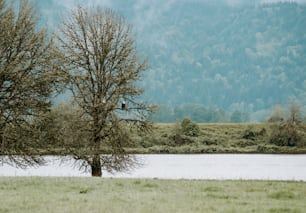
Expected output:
(96, 170)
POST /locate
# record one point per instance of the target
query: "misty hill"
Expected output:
(227, 57)
(246, 57)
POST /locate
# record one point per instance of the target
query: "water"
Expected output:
(204, 166)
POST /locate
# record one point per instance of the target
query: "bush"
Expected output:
(189, 128)
(250, 134)
(184, 131)
(182, 139)
(285, 134)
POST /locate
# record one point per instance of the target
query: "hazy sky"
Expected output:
(138, 3)
(146, 10)
(272, 1)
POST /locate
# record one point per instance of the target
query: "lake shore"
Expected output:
(45, 194)
(167, 138)
(213, 138)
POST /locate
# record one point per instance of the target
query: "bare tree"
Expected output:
(98, 53)
(277, 115)
(26, 80)
(295, 115)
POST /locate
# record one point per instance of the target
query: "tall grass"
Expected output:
(36, 194)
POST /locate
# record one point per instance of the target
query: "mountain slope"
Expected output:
(247, 56)
(251, 56)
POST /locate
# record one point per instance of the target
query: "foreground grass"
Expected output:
(37, 194)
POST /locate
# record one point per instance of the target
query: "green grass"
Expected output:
(214, 138)
(37, 194)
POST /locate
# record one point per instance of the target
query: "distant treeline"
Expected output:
(198, 113)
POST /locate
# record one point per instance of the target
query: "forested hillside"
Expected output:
(246, 57)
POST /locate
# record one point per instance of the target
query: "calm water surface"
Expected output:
(204, 166)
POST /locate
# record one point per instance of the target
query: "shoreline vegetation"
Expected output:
(46, 194)
(171, 138)
(240, 138)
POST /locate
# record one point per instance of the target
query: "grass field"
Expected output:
(36, 194)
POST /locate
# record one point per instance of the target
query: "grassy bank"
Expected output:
(36, 194)
(214, 138)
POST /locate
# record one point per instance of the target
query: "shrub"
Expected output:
(190, 128)
(184, 131)
(287, 133)
(250, 134)
(182, 139)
